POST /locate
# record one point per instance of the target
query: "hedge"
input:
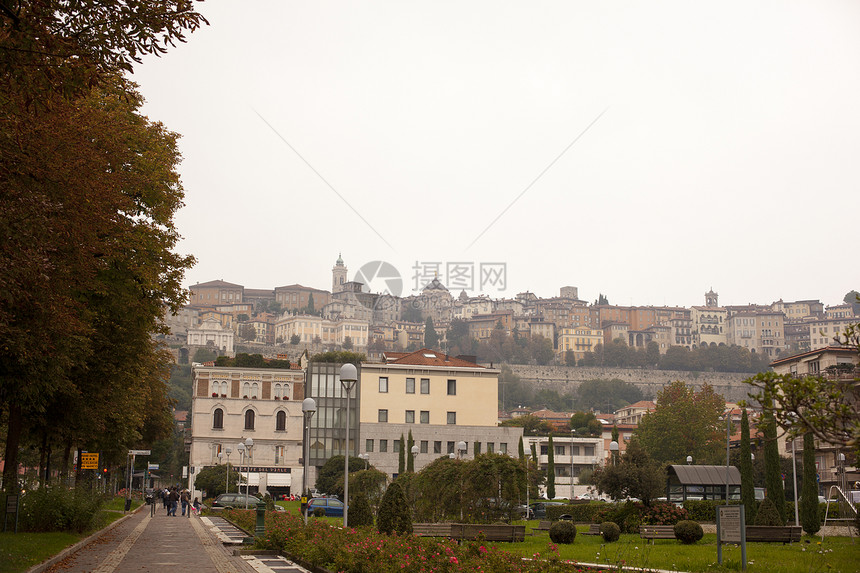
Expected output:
(581, 513)
(706, 510)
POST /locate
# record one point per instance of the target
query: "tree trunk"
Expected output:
(13, 438)
(42, 448)
(64, 469)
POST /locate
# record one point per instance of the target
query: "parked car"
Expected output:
(333, 507)
(235, 500)
(539, 508)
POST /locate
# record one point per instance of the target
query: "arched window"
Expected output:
(281, 421)
(215, 386)
(277, 391)
(254, 389)
(218, 418)
(249, 420)
(224, 388)
(246, 390)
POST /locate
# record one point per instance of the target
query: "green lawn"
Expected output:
(20, 551)
(834, 554)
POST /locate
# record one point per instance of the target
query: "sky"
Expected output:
(648, 151)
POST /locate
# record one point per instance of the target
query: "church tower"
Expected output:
(338, 275)
(711, 298)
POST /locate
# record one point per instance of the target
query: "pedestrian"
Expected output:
(196, 505)
(185, 497)
(165, 497)
(174, 501)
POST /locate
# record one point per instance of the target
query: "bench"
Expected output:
(593, 529)
(543, 525)
(494, 532)
(432, 529)
(766, 533)
(657, 531)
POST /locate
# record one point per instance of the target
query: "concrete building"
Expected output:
(298, 297)
(709, 325)
(569, 453)
(229, 405)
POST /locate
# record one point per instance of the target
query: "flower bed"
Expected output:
(363, 550)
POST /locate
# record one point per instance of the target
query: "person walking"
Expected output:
(165, 497)
(174, 501)
(185, 497)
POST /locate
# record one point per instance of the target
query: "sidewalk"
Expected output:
(141, 543)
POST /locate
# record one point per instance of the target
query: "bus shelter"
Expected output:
(701, 482)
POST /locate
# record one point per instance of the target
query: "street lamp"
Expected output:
(366, 458)
(241, 447)
(309, 407)
(228, 450)
(461, 449)
(571, 464)
(613, 449)
(841, 470)
(689, 460)
(728, 415)
(249, 443)
(348, 379)
(414, 455)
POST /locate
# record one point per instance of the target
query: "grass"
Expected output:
(835, 554)
(20, 551)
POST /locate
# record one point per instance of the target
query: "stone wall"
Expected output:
(565, 379)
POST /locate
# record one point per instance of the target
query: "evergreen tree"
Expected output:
(747, 485)
(809, 517)
(534, 454)
(410, 463)
(772, 473)
(522, 450)
(311, 304)
(360, 512)
(550, 471)
(394, 512)
(431, 338)
(401, 457)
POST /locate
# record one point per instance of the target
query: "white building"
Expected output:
(211, 333)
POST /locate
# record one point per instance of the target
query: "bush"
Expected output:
(580, 513)
(628, 516)
(394, 515)
(704, 509)
(663, 514)
(360, 512)
(59, 509)
(768, 514)
(688, 532)
(610, 531)
(319, 512)
(562, 532)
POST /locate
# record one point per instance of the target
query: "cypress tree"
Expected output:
(394, 511)
(410, 463)
(534, 454)
(747, 485)
(401, 457)
(772, 472)
(522, 450)
(550, 471)
(809, 508)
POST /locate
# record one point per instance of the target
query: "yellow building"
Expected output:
(579, 339)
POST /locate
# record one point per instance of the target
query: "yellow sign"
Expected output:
(90, 461)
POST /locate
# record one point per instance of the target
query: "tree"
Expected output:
(521, 450)
(606, 395)
(542, 350)
(635, 476)
(247, 332)
(412, 313)
(394, 515)
(550, 470)
(431, 339)
(772, 473)
(340, 357)
(330, 475)
(747, 486)
(401, 456)
(295, 339)
(601, 300)
(310, 308)
(684, 422)
(214, 479)
(585, 424)
(369, 483)
(347, 343)
(410, 464)
(531, 425)
(809, 508)
(852, 297)
(569, 358)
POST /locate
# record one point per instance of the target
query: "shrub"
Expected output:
(319, 512)
(626, 515)
(704, 509)
(580, 513)
(663, 514)
(610, 531)
(360, 512)
(688, 532)
(59, 509)
(768, 514)
(562, 532)
(393, 516)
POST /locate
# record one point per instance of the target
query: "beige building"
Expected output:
(634, 413)
(332, 332)
(799, 310)
(760, 331)
(709, 325)
(822, 333)
(579, 339)
(213, 293)
(298, 297)
(210, 333)
(441, 399)
(265, 404)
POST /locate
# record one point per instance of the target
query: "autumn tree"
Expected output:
(684, 422)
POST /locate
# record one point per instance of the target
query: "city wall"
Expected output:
(565, 379)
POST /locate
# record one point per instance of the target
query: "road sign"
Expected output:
(151, 467)
(89, 461)
(139, 452)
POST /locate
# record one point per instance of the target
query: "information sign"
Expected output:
(139, 452)
(90, 461)
(151, 467)
(730, 523)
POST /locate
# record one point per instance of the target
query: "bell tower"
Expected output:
(338, 275)
(711, 298)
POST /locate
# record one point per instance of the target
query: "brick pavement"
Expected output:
(157, 544)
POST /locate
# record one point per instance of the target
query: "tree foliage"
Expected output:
(330, 475)
(340, 357)
(394, 515)
(775, 492)
(531, 425)
(214, 479)
(431, 338)
(809, 508)
(550, 470)
(746, 469)
(637, 475)
(685, 422)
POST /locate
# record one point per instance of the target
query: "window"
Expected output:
(279, 455)
(246, 390)
(425, 416)
(383, 415)
(277, 391)
(368, 445)
(450, 447)
(223, 388)
(491, 447)
(559, 450)
(383, 385)
(410, 385)
(383, 445)
(281, 421)
(452, 418)
(452, 387)
(503, 448)
(218, 418)
(396, 446)
(544, 450)
(424, 445)
(589, 451)
(255, 389)
(249, 420)
(425, 385)
(477, 448)
(410, 416)
(437, 447)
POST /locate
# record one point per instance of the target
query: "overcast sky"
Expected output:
(645, 150)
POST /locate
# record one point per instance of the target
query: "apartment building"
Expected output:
(579, 339)
(298, 297)
(760, 331)
(215, 292)
(315, 328)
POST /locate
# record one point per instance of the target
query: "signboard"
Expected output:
(151, 467)
(139, 452)
(267, 470)
(89, 461)
(185, 471)
(730, 523)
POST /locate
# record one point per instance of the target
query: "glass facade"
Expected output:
(327, 431)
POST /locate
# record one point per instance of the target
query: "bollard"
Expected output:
(260, 528)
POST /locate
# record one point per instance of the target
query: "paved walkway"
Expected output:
(145, 544)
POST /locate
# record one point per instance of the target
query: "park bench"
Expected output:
(657, 532)
(593, 529)
(491, 532)
(776, 534)
(543, 525)
(432, 529)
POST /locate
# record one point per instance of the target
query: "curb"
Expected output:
(50, 562)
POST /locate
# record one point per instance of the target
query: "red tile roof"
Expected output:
(427, 357)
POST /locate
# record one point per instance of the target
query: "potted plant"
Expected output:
(214, 394)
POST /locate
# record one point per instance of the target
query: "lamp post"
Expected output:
(571, 464)
(794, 477)
(414, 455)
(366, 458)
(728, 438)
(613, 451)
(241, 447)
(228, 450)
(840, 458)
(249, 443)
(348, 379)
(689, 460)
(461, 449)
(309, 407)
